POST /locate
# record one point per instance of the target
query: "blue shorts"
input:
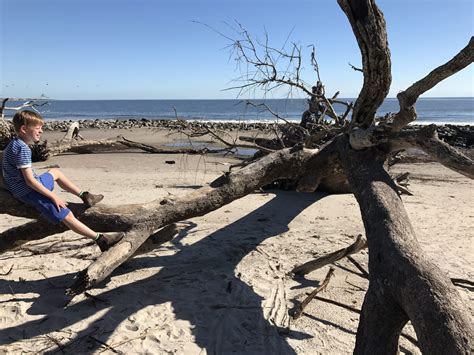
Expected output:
(43, 204)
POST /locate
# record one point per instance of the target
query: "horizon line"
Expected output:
(218, 99)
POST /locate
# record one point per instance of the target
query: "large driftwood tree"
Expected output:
(404, 284)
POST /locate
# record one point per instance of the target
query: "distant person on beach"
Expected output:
(37, 191)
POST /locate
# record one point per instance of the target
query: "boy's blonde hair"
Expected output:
(26, 118)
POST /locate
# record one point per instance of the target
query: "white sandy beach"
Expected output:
(221, 285)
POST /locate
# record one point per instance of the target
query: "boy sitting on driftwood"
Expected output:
(37, 190)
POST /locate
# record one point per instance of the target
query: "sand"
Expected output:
(222, 284)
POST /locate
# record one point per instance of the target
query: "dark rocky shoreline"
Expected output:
(162, 123)
(459, 136)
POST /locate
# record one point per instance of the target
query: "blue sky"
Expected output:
(152, 49)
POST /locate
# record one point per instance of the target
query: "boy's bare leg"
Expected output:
(103, 240)
(64, 182)
(88, 198)
(77, 226)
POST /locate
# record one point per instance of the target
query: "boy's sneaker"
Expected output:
(107, 240)
(91, 199)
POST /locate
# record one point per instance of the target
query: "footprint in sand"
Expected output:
(132, 327)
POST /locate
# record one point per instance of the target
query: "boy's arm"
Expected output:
(36, 185)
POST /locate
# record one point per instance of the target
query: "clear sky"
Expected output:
(152, 49)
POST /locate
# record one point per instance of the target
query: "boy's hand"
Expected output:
(58, 202)
(37, 186)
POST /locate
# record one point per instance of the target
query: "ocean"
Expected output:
(430, 110)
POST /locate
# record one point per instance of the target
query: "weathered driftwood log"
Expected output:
(108, 218)
(117, 143)
(285, 163)
(359, 244)
(122, 218)
(43, 150)
(427, 140)
(72, 132)
(223, 190)
(102, 218)
(313, 294)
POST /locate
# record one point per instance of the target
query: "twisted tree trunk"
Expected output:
(404, 283)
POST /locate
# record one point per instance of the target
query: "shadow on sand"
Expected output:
(229, 320)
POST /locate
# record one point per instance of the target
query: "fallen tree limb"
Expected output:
(43, 150)
(154, 150)
(327, 259)
(462, 282)
(105, 218)
(285, 163)
(313, 294)
(427, 139)
(354, 248)
(88, 146)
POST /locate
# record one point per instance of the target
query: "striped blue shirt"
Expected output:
(16, 155)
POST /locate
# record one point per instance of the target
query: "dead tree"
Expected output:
(404, 284)
(268, 68)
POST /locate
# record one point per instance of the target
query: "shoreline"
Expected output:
(460, 136)
(174, 124)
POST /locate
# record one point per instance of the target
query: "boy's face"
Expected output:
(31, 133)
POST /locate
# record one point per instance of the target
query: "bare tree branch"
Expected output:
(374, 135)
(427, 139)
(355, 68)
(408, 98)
(460, 61)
